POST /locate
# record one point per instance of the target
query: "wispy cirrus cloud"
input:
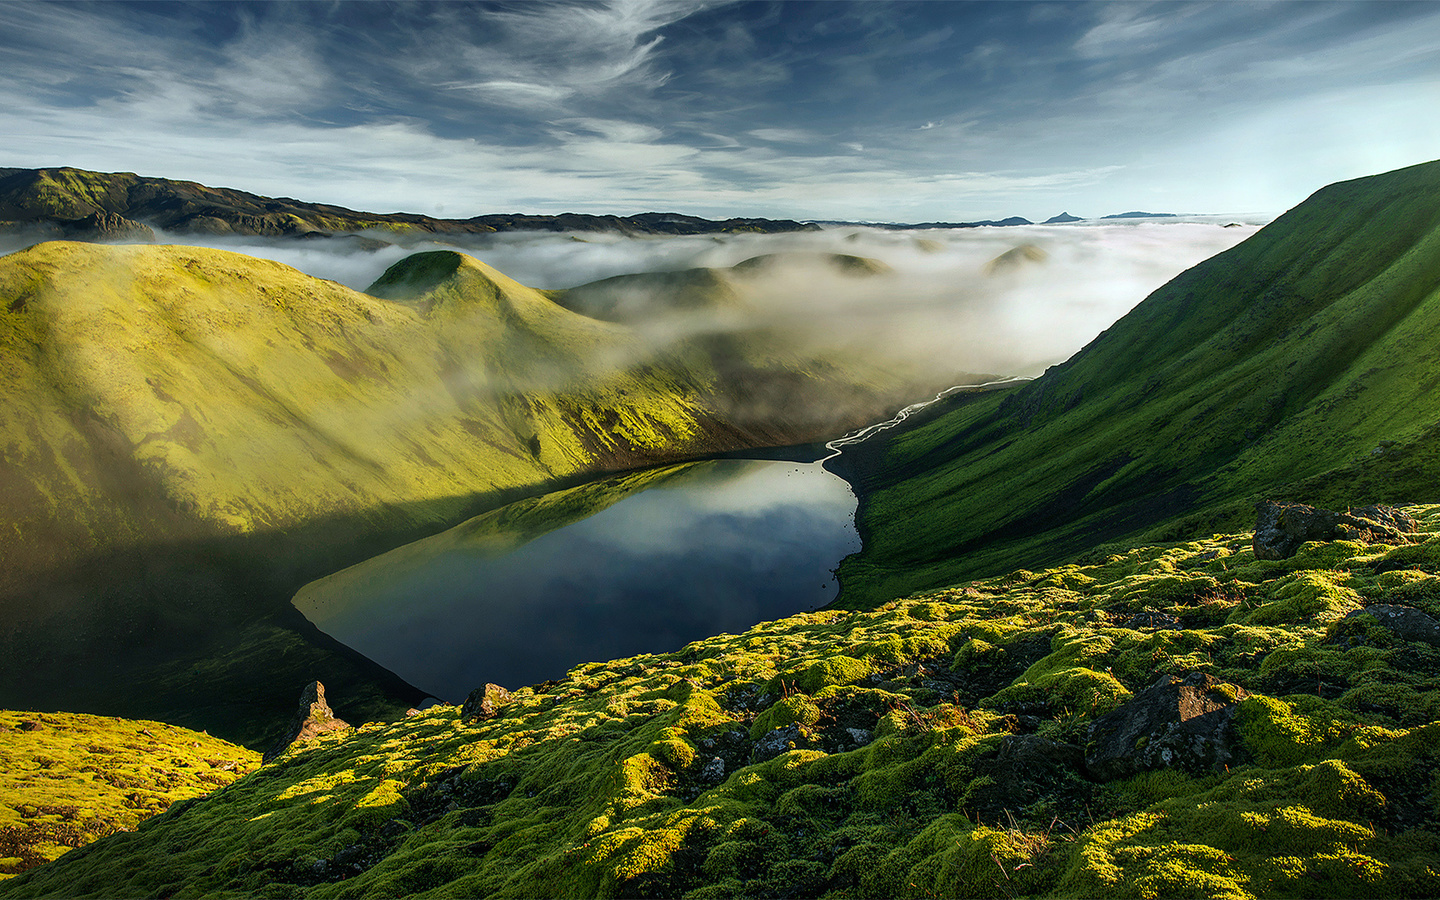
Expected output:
(874, 110)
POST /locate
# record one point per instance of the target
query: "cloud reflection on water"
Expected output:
(724, 546)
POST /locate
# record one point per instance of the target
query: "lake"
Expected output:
(643, 562)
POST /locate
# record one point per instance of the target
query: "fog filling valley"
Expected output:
(1002, 300)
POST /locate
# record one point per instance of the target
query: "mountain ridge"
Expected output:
(54, 202)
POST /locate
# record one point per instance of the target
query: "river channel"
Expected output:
(639, 563)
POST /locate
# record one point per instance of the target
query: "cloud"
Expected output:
(624, 107)
(615, 130)
(783, 135)
(520, 94)
(937, 308)
(1128, 29)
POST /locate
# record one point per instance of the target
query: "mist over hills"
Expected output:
(192, 434)
(1298, 364)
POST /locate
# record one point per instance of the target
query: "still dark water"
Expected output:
(640, 563)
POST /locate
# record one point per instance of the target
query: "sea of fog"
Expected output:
(945, 296)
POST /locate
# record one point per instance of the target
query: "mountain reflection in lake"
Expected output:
(643, 562)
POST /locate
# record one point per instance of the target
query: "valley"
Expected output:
(179, 416)
(228, 479)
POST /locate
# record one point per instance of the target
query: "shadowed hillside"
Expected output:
(1301, 363)
(190, 435)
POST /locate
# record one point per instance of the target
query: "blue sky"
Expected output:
(881, 111)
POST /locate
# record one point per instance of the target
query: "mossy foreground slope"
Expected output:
(190, 435)
(1302, 363)
(67, 779)
(936, 746)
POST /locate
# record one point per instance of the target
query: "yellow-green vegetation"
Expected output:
(190, 435)
(248, 396)
(1298, 365)
(933, 746)
(67, 779)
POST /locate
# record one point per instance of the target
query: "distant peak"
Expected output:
(842, 262)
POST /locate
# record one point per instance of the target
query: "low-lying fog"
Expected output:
(1005, 300)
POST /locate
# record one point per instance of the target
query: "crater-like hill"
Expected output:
(66, 202)
(190, 435)
(1302, 363)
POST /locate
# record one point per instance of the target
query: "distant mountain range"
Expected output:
(77, 204)
(1140, 215)
(1063, 219)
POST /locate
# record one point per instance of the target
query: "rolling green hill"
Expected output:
(1156, 717)
(1301, 364)
(190, 435)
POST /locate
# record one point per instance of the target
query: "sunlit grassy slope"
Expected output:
(930, 747)
(1283, 366)
(67, 779)
(189, 435)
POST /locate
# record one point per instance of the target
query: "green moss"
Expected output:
(835, 671)
(796, 710)
(1076, 689)
(67, 779)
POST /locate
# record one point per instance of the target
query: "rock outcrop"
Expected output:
(314, 717)
(1281, 528)
(106, 226)
(1405, 622)
(1026, 768)
(1175, 723)
(484, 703)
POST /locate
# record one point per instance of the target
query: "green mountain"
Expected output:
(191, 435)
(940, 745)
(1300, 364)
(66, 202)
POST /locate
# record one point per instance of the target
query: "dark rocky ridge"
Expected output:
(49, 200)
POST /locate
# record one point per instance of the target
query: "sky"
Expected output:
(869, 111)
